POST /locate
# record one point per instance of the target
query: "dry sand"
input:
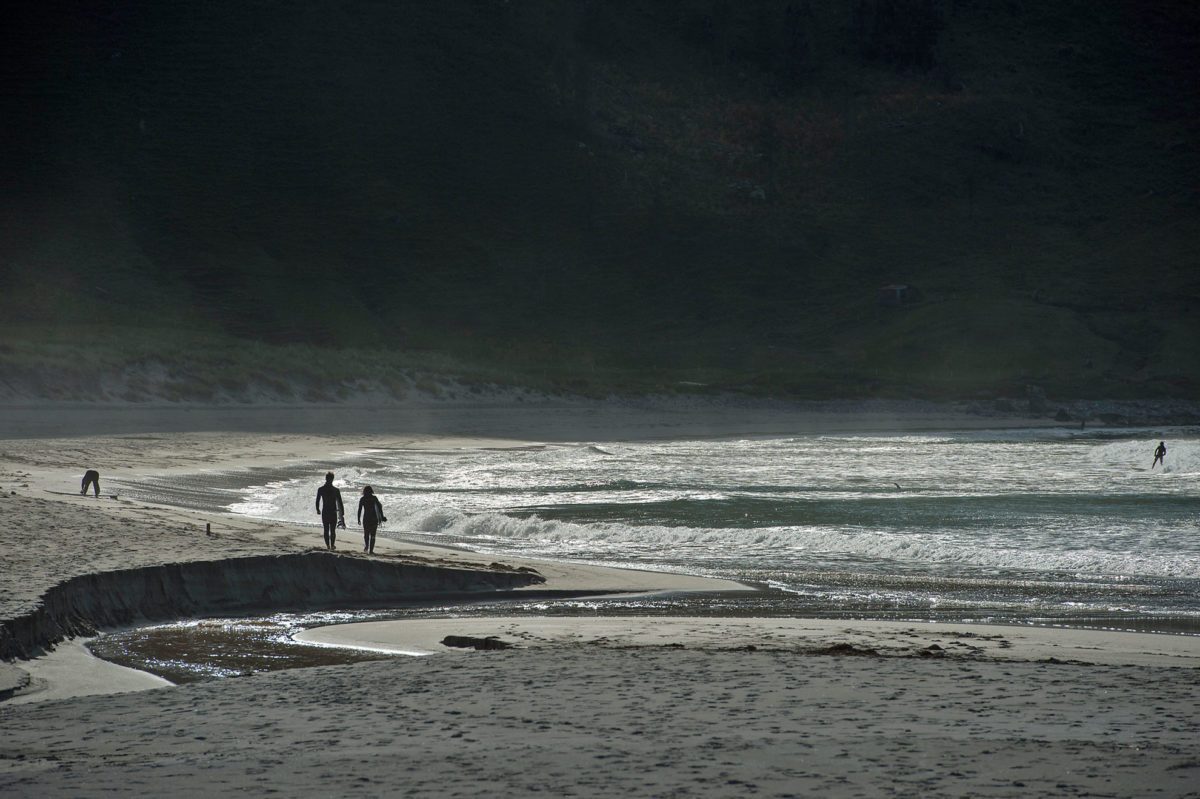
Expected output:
(71, 670)
(585, 707)
(586, 721)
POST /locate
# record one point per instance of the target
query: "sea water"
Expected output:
(1034, 526)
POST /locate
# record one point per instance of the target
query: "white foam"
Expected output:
(295, 499)
(1183, 456)
(467, 497)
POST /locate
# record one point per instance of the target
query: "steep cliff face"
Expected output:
(306, 581)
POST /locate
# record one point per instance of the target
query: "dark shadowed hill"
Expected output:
(628, 194)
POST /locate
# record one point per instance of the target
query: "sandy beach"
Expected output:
(643, 706)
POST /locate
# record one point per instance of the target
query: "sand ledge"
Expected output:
(247, 586)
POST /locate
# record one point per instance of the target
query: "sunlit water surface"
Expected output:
(1050, 527)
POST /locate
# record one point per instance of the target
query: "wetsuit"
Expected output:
(1160, 455)
(91, 477)
(329, 505)
(370, 514)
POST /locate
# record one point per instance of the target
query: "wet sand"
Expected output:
(873, 638)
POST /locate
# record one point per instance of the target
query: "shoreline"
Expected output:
(645, 705)
(44, 467)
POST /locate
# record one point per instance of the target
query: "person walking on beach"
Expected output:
(91, 478)
(330, 509)
(1160, 455)
(370, 514)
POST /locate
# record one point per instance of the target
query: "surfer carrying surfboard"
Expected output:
(331, 511)
(1160, 455)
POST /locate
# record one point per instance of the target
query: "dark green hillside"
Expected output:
(627, 194)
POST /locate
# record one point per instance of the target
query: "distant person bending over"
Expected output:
(330, 509)
(370, 514)
(91, 477)
(1160, 455)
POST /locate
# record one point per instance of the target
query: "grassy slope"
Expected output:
(621, 194)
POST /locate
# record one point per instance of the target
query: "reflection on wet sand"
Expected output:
(213, 648)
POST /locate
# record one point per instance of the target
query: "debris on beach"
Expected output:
(846, 649)
(474, 642)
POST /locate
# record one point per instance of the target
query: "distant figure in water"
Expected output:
(370, 514)
(91, 478)
(331, 510)
(1160, 455)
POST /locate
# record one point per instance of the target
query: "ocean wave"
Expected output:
(774, 545)
(1082, 506)
(1183, 456)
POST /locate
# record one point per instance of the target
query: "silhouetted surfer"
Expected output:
(91, 478)
(370, 514)
(329, 506)
(1160, 455)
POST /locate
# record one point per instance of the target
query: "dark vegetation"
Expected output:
(624, 194)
